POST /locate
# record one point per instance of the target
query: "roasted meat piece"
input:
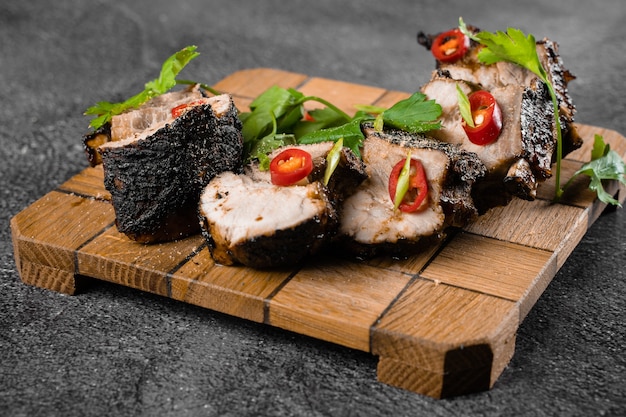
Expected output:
(369, 224)
(248, 220)
(155, 175)
(527, 134)
(133, 122)
(502, 74)
(523, 155)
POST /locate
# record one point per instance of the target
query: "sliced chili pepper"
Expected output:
(487, 118)
(181, 108)
(307, 117)
(450, 46)
(290, 166)
(417, 187)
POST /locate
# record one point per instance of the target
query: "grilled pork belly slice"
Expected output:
(248, 220)
(527, 135)
(155, 176)
(369, 224)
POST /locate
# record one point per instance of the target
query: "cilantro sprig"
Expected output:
(104, 110)
(516, 47)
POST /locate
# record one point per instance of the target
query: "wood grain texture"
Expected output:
(442, 323)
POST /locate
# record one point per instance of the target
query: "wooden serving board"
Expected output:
(442, 323)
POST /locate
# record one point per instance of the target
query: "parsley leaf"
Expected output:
(104, 110)
(350, 132)
(512, 46)
(414, 114)
(605, 164)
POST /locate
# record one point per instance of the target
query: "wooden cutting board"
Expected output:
(442, 323)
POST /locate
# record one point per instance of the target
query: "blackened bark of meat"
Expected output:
(281, 248)
(155, 182)
(521, 181)
(150, 188)
(93, 140)
(214, 144)
(538, 129)
(560, 77)
(345, 247)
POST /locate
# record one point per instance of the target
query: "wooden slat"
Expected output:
(442, 322)
(87, 183)
(495, 267)
(336, 301)
(490, 266)
(390, 98)
(48, 232)
(236, 290)
(250, 83)
(434, 330)
(113, 257)
(537, 224)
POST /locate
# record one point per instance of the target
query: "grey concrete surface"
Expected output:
(119, 352)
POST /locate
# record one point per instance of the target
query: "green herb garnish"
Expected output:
(275, 117)
(104, 110)
(605, 164)
(350, 133)
(414, 114)
(464, 107)
(332, 160)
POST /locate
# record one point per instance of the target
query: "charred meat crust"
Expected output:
(538, 129)
(348, 175)
(93, 140)
(155, 182)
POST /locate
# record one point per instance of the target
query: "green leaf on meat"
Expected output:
(414, 114)
(104, 110)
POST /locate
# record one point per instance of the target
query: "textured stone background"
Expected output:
(116, 351)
